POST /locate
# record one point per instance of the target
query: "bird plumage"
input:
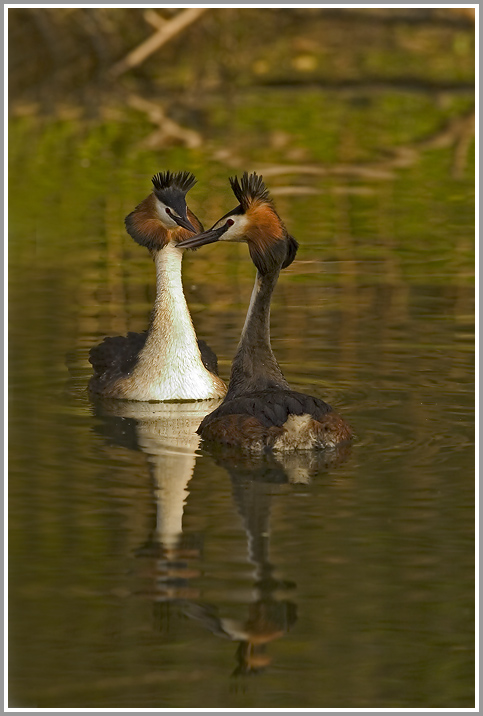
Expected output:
(117, 355)
(167, 362)
(173, 181)
(260, 411)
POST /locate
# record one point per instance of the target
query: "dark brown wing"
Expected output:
(258, 420)
(116, 355)
(238, 430)
(271, 408)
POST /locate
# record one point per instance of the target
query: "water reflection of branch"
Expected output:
(168, 131)
(458, 133)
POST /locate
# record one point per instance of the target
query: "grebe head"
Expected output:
(170, 192)
(163, 216)
(254, 221)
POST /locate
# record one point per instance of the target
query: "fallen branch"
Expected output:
(165, 33)
(154, 19)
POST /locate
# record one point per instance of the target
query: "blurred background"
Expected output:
(362, 124)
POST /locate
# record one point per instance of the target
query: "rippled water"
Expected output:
(146, 572)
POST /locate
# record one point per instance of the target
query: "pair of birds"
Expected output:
(259, 410)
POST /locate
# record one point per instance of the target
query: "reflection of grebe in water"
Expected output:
(167, 362)
(270, 616)
(166, 433)
(169, 560)
(260, 411)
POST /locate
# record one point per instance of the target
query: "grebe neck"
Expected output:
(255, 367)
(170, 302)
(169, 367)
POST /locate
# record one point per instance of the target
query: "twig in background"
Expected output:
(166, 32)
(154, 19)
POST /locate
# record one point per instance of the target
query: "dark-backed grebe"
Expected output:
(166, 362)
(260, 411)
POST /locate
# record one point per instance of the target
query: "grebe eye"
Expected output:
(230, 222)
(168, 210)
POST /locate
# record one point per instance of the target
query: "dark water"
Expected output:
(145, 572)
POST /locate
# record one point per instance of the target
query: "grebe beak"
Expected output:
(207, 237)
(184, 223)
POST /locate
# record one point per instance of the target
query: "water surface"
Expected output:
(147, 572)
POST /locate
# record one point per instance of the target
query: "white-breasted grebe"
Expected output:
(167, 362)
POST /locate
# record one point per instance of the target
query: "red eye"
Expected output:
(168, 210)
(230, 222)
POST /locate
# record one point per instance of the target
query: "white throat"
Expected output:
(170, 367)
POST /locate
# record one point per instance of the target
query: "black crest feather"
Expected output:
(249, 188)
(183, 181)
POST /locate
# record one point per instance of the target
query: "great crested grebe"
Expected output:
(260, 411)
(166, 362)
